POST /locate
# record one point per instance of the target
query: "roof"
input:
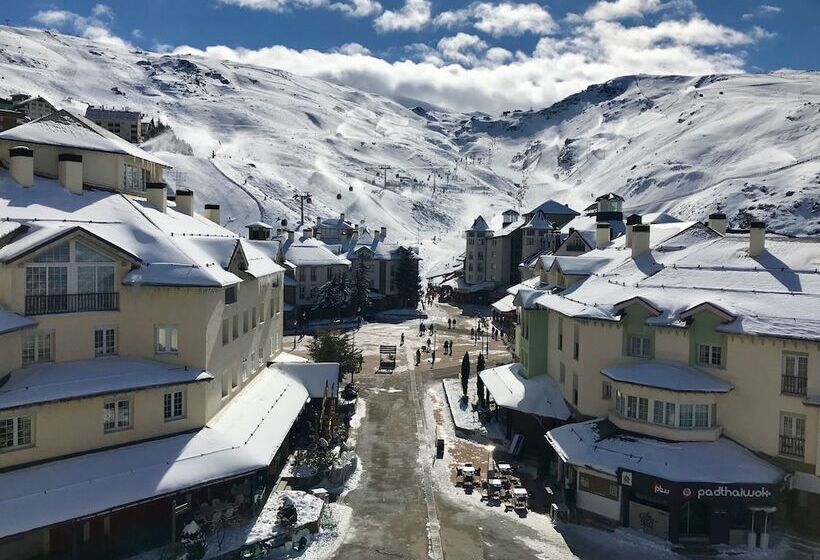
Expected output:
(505, 304)
(263, 225)
(610, 196)
(335, 223)
(670, 376)
(539, 395)
(10, 322)
(479, 224)
(315, 377)
(113, 114)
(49, 382)
(309, 251)
(598, 445)
(582, 265)
(166, 249)
(460, 285)
(65, 129)
(242, 438)
(539, 221)
(553, 207)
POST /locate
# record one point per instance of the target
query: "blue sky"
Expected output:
(485, 55)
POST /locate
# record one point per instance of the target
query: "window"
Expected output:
(631, 407)
(795, 374)
(253, 317)
(301, 292)
(234, 378)
(15, 432)
(38, 348)
(619, 402)
(792, 435)
(236, 326)
(244, 369)
(273, 306)
(302, 274)
(134, 178)
(167, 339)
(226, 384)
(598, 485)
(116, 415)
(246, 320)
(261, 354)
(657, 412)
(261, 312)
(105, 341)
(562, 373)
(560, 333)
(639, 346)
(670, 414)
(576, 347)
(174, 406)
(226, 331)
(701, 415)
(643, 409)
(709, 355)
(230, 295)
(686, 419)
(574, 388)
(606, 391)
(313, 274)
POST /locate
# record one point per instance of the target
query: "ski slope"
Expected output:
(745, 144)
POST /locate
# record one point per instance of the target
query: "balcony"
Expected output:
(72, 303)
(793, 385)
(792, 446)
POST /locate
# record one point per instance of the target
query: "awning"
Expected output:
(240, 439)
(669, 376)
(601, 446)
(505, 304)
(539, 395)
(10, 322)
(458, 284)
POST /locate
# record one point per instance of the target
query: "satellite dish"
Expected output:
(338, 196)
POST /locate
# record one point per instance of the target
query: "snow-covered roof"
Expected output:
(599, 445)
(582, 265)
(505, 304)
(7, 227)
(315, 377)
(379, 248)
(242, 438)
(539, 395)
(10, 322)
(774, 294)
(586, 225)
(479, 224)
(610, 196)
(459, 284)
(67, 130)
(309, 251)
(553, 207)
(260, 225)
(56, 381)
(670, 376)
(166, 248)
(539, 221)
(335, 223)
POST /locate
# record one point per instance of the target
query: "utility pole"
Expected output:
(385, 169)
(302, 197)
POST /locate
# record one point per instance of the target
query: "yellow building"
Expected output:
(692, 355)
(136, 343)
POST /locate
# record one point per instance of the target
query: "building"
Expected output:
(32, 107)
(125, 124)
(9, 118)
(492, 258)
(688, 356)
(137, 341)
(106, 160)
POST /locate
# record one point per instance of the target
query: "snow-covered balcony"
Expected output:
(667, 400)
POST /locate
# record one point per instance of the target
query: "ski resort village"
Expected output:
(246, 313)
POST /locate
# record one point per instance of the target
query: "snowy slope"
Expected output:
(746, 144)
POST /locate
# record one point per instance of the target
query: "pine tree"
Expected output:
(408, 280)
(332, 296)
(479, 384)
(333, 346)
(465, 373)
(359, 287)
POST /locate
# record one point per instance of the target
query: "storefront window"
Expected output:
(686, 418)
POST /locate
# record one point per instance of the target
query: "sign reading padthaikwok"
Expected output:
(752, 494)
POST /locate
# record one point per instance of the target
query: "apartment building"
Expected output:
(137, 341)
(122, 122)
(33, 107)
(9, 118)
(689, 359)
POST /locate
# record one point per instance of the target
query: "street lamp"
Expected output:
(295, 333)
(490, 449)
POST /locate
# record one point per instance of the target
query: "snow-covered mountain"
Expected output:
(745, 144)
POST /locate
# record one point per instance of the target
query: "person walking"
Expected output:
(429, 343)
(402, 340)
(418, 356)
(449, 323)
(433, 361)
(446, 346)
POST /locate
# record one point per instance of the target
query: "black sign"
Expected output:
(668, 491)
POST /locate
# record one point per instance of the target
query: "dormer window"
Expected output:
(230, 295)
(709, 355)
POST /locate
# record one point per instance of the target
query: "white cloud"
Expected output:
(620, 9)
(762, 11)
(358, 8)
(462, 48)
(414, 15)
(353, 8)
(95, 26)
(136, 33)
(500, 19)
(352, 49)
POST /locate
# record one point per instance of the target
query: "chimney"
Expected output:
(212, 212)
(307, 232)
(185, 201)
(757, 238)
(631, 221)
(601, 234)
(355, 234)
(717, 222)
(21, 165)
(290, 235)
(317, 233)
(342, 217)
(70, 172)
(640, 239)
(384, 233)
(157, 194)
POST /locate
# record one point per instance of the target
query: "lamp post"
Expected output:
(490, 449)
(295, 333)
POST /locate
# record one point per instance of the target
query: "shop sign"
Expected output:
(723, 491)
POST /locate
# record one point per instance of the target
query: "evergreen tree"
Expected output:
(333, 346)
(359, 287)
(479, 384)
(332, 296)
(465, 373)
(408, 280)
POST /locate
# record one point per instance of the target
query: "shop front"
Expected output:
(697, 512)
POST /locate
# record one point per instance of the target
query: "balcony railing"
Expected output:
(793, 385)
(792, 446)
(72, 303)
